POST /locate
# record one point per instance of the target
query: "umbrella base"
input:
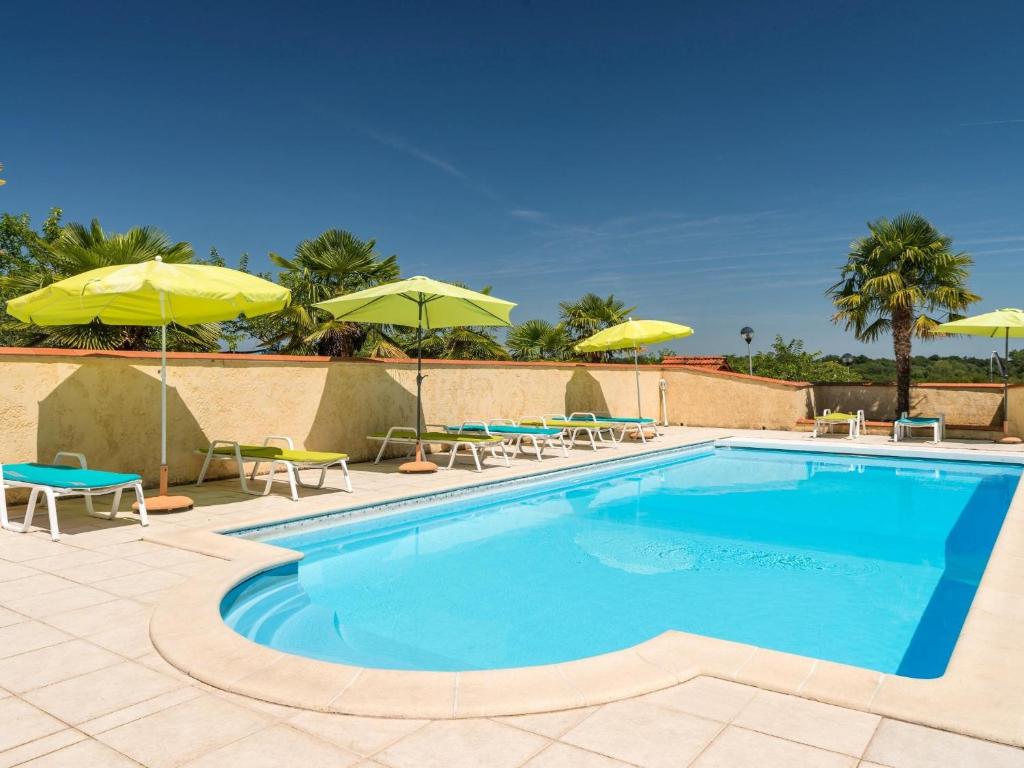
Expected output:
(1008, 440)
(160, 504)
(418, 467)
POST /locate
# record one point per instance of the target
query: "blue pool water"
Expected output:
(867, 561)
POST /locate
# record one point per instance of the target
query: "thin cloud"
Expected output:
(396, 142)
(527, 214)
(994, 122)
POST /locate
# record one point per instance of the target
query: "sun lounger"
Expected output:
(515, 435)
(58, 481)
(473, 444)
(287, 459)
(573, 428)
(904, 426)
(627, 423)
(830, 419)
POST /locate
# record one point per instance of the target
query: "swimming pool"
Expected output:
(870, 561)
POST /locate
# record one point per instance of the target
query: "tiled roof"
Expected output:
(711, 362)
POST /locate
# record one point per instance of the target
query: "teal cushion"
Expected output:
(922, 420)
(508, 429)
(60, 476)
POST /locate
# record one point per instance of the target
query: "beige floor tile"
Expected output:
(564, 756)
(166, 557)
(21, 548)
(183, 732)
(23, 723)
(903, 745)
(28, 636)
(362, 735)
(105, 568)
(58, 601)
(52, 664)
(550, 724)
(737, 748)
(84, 754)
(139, 583)
(131, 640)
(72, 558)
(463, 743)
(97, 693)
(84, 622)
(12, 571)
(40, 747)
(10, 617)
(138, 711)
(705, 696)
(641, 733)
(276, 747)
(809, 722)
(32, 586)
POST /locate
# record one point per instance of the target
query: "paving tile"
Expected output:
(642, 733)
(68, 560)
(139, 583)
(104, 568)
(84, 754)
(32, 586)
(28, 636)
(21, 548)
(58, 601)
(130, 640)
(705, 696)
(84, 622)
(39, 747)
(462, 744)
(44, 666)
(12, 571)
(138, 711)
(166, 557)
(362, 735)
(564, 756)
(809, 722)
(23, 723)
(276, 747)
(550, 724)
(904, 745)
(88, 696)
(175, 735)
(738, 748)
(9, 617)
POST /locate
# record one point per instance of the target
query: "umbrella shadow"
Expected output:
(583, 393)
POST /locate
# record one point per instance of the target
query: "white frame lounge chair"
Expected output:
(829, 419)
(626, 422)
(593, 429)
(515, 434)
(89, 483)
(903, 427)
(434, 434)
(287, 459)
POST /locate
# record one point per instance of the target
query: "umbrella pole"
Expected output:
(420, 465)
(636, 370)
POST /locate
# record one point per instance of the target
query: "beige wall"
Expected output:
(107, 406)
(964, 404)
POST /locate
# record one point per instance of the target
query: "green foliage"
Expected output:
(935, 368)
(790, 361)
(590, 313)
(539, 340)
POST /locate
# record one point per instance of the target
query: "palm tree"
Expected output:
(894, 281)
(590, 314)
(334, 263)
(78, 249)
(538, 340)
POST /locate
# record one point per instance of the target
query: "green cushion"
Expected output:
(284, 454)
(438, 437)
(836, 416)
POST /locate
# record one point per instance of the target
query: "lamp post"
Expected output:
(846, 359)
(748, 336)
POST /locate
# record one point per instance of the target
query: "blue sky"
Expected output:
(708, 162)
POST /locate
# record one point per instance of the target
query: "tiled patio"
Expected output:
(82, 685)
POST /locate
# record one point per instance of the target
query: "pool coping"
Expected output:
(981, 694)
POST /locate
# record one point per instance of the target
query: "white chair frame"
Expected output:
(594, 435)
(51, 494)
(291, 468)
(904, 430)
(474, 447)
(515, 440)
(626, 425)
(855, 424)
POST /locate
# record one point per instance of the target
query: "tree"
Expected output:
(790, 361)
(76, 248)
(539, 340)
(894, 281)
(590, 314)
(21, 248)
(334, 263)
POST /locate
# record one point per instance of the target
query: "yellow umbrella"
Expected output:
(154, 294)
(1003, 323)
(419, 303)
(633, 334)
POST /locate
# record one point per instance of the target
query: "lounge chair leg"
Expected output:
(4, 522)
(380, 453)
(51, 510)
(30, 510)
(206, 466)
(291, 472)
(565, 448)
(141, 499)
(348, 480)
(476, 458)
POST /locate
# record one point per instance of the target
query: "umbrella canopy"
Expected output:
(154, 294)
(1002, 324)
(150, 293)
(420, 303)
(633, 334)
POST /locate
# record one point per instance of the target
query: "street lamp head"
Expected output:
(747, 333)
(846, 359)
